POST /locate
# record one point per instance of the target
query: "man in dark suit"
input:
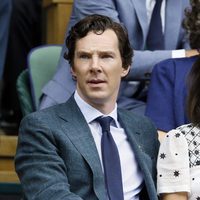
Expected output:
(62, 150)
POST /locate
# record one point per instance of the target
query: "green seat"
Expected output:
(24, 93)
(42, 64)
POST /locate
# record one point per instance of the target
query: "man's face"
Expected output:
(98, 68)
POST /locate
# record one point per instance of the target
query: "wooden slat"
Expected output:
(8, 177)
(7, 164)
(8, 145)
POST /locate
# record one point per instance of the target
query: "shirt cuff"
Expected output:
(178, 53)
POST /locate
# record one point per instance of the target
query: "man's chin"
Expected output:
(98, 99)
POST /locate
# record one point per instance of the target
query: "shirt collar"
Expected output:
(90, 113)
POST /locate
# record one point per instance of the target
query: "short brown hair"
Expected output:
(98, 24)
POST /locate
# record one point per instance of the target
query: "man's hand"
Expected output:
(192, 52)
(161, 135)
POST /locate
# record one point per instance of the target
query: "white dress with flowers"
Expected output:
(179, 162)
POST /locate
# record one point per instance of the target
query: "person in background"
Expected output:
(87, 147)
(136, 16)
(178, 164)
(5, 13)
(167, 92)
(24, 34)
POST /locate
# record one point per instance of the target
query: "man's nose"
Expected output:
(95, 64)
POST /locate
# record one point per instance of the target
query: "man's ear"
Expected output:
(73, 73)
(125, 71)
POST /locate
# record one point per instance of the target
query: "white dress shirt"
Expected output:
(131, 175)
(149, 7)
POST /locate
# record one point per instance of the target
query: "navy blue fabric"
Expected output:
(166, 102)
(111, 161)
(155, 38)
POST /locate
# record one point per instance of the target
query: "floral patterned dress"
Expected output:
(179, 162)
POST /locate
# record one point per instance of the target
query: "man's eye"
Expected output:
(106, 56)
(84, 56)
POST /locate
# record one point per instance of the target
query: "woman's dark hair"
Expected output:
(191, 23)
(98, 24)
(193, 99)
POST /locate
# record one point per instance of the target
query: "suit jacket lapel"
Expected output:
(140, 9)
(171, 22)
(134, 134)
(138, 142)
(79, 133)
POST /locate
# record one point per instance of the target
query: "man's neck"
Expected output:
(103, 107)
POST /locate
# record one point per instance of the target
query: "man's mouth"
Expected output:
(96, 81)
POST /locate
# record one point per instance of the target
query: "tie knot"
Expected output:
(105, 123)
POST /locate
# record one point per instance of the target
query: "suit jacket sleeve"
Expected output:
(41, 170)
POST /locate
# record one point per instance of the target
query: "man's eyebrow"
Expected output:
(100, 52)
(108, 52)
(81, 52)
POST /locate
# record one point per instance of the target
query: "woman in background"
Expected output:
(178, 163)
(167, 93)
